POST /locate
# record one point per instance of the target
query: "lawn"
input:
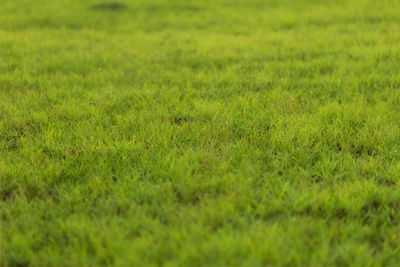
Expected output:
(199, 133)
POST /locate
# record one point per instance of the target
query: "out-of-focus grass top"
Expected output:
(199, 133)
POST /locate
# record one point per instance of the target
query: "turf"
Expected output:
(199, 133)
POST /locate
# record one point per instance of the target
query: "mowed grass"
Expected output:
(199, 133)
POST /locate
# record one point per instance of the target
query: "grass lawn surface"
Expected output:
(199, 133)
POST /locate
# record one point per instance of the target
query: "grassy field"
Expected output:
(199, 133)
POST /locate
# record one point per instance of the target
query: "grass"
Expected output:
(199, 133)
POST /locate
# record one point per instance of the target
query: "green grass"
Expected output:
(199, 133)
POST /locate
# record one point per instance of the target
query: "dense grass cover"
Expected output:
(200, 133)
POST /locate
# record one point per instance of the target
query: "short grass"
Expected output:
(200, 133)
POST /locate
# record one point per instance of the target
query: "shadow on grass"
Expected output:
(112, 6)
